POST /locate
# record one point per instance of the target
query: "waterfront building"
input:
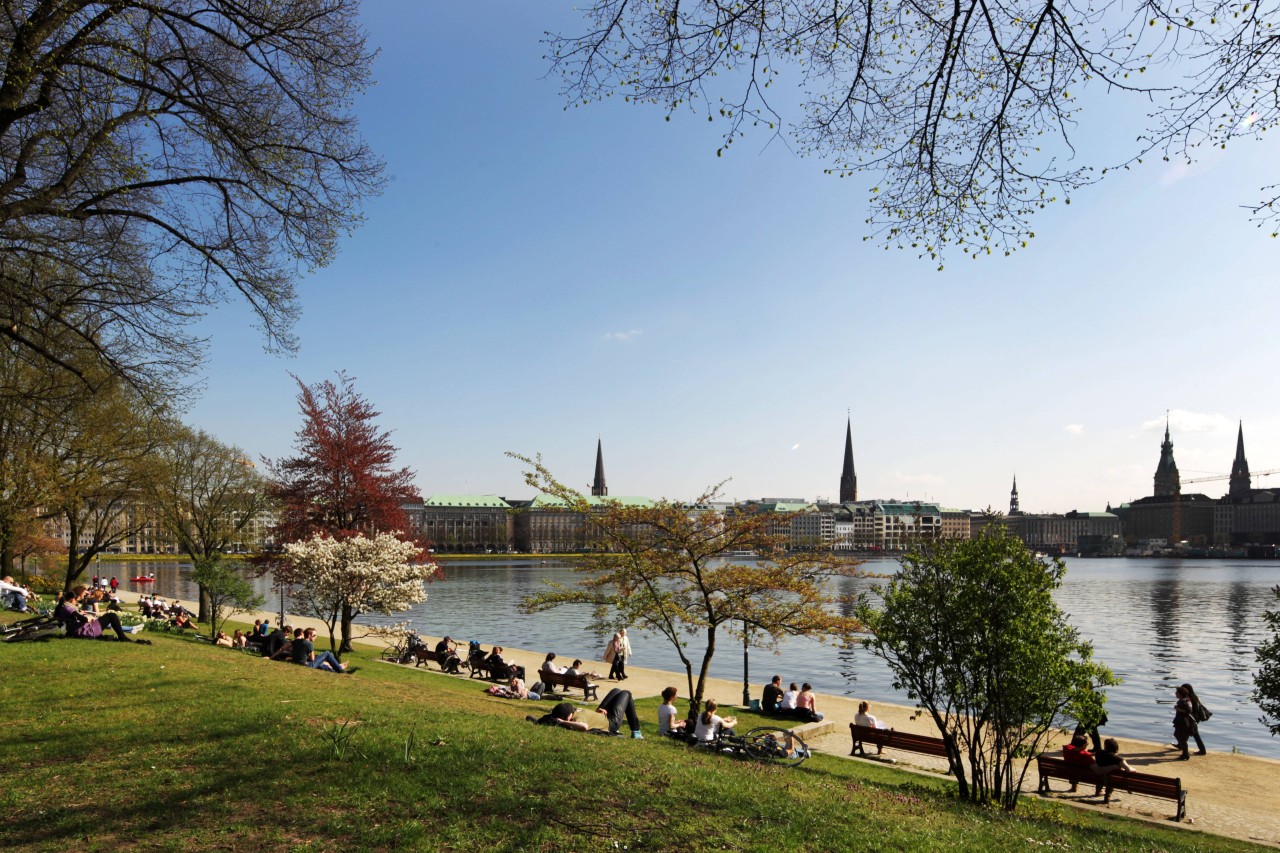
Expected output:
(884, 525)
(1245, 515)
(1075, 532)
(957, 523)
(462, 524)
(548, 525)
(1168, 513)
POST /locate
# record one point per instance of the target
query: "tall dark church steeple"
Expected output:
(1168, 483)
(1241, 483)
(1013, 498)
(598, 488)
(848, 479)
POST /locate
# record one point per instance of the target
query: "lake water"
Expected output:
(1155, 622)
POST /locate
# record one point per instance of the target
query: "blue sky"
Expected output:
(534, 278)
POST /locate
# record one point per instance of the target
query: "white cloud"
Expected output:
(1074, 429)
(1181, 420)
(624, 336)
(1174, 174)
(795, 447)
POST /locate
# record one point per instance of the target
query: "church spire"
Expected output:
(1241, 484)
(598, 488)
(1013, 498)
(1167, 481)
(848, 479)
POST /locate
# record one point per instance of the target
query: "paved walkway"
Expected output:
(1231, 795)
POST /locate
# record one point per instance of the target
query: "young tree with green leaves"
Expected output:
(971, 632)
(205, 494)
(1266, 681)
(223, 583)
(667, 568)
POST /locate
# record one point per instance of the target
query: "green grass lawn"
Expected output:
(185, 746)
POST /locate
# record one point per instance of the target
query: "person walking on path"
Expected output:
(1184, 723)
(1201, 715)
(620, 646)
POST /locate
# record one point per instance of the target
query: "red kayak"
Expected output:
(143, 580)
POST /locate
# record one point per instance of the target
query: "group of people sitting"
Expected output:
(297, 645)
(173, 612)
(85, 622)
(795, 702)
(1103, 762)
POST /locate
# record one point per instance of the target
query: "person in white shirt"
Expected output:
(711, 725)
(13, 595)
(667, 722)
(862, 718)
(789, 698)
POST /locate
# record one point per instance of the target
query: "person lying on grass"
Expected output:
(85, 626)
(618, 705)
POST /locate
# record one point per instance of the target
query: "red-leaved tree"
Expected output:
(342, 482)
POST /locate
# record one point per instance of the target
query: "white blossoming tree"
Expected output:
(338, 579)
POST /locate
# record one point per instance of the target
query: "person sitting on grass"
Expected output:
(806, 707)
(667, 722)
(222, 640)
(86, 626)
(285, 652)
(182, 621)
(15, 596)
(239, 640)
(710, 725)
(304, 652)
(772, 695)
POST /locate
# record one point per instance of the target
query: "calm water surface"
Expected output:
(1156, 623)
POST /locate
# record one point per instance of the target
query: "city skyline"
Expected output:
(535, 278)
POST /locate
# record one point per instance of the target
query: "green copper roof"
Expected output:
(487, 501)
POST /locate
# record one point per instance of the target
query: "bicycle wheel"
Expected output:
(775, 746)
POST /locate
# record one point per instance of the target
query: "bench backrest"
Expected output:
(906, 741)
(1135, 783)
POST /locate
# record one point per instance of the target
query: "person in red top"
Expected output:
(1077, 753)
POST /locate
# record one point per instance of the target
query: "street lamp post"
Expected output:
(746, 680)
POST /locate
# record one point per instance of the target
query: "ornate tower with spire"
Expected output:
(848, 479)
(598, 488)
(1241, 483)
(1168, 483)
(1013, 498)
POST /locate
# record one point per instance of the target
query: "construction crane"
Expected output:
(1266, 473)
(1177, 499)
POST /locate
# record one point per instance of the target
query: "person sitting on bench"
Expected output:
(864, 718)
(447, 655)
(1077, 754)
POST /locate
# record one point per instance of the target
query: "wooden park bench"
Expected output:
(568, 682)
(423, 655)
(905, 741)
(1148, 784)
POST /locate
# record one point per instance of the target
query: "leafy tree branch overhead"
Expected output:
(966, 110)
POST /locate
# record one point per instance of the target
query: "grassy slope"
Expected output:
(190, 747)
